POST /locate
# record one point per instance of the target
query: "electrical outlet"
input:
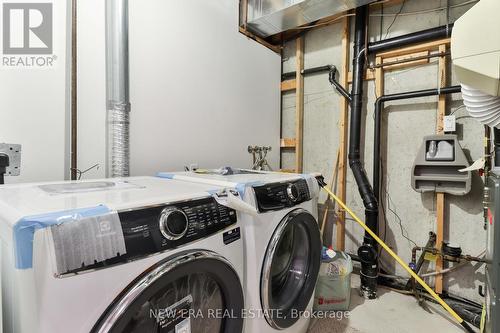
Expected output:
(450, 123)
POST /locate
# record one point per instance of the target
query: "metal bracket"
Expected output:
(14, 153)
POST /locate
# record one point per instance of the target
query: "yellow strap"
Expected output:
(395, 256)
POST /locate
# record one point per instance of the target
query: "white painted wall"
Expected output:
(200, 91)
(34, 109)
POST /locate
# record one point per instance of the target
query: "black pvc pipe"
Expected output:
(308, 71)
(337, 85)
(368, 251)
(413, 38)
(379, 106)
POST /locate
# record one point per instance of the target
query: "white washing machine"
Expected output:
(140, 254)
(282, 245)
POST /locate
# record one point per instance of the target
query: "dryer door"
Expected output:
(290, 269)
(196, 292)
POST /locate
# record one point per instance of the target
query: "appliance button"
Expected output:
(173, 223)
(293, 192)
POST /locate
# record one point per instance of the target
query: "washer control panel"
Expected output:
(158, 228)
(276, 196)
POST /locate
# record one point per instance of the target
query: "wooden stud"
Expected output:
(368, 76)
(439, 240)
(343, 129)
(333, 182)
(440, 198)
(288, 170)
(244, 13)
(379, 78)
(408, 62)
(299, 104)
(288, 85)
(442, 98)
(429, 46)
(287, 143)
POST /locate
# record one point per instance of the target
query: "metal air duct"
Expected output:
(117, 89)
(269, 17)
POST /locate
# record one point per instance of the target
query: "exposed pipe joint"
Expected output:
(117, 87)
(337, 85)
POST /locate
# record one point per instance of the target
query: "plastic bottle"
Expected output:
(333, 289)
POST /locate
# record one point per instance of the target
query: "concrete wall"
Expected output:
(34, 108)
(201, 92)
(405, 124)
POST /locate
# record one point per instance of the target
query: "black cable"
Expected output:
(399, 220)
(457, 109)
(394, 20)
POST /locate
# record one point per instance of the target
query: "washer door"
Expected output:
(291, 268)
(196, 292)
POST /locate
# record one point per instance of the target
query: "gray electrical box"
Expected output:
(436, 167)
(493, 255)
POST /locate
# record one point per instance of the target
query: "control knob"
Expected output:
(173, 223)
(293, 192)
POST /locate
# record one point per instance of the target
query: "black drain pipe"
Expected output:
(368, 251)
(379, 106)
(412, 38)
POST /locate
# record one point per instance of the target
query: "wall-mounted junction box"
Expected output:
(449, 123)
(436, 166)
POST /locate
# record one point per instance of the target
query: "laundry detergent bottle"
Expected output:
(333, 289)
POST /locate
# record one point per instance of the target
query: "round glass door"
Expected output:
(290, 269)
(197, 293)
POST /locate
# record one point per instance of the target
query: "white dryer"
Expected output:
(140, 254)
(282, 244)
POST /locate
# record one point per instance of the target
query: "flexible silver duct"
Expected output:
(481, 106)
(117, 87)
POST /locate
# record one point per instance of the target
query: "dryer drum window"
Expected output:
(197, 292)
(290, 269)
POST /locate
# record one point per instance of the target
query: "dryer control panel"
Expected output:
(150, 230)
(276, 196)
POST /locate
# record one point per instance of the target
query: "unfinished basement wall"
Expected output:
(412, 215)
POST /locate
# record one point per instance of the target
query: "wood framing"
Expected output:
(440, 197)
(274, 48)
(428, 46)
(379, 78)
(299, 104)
(343, 130)
(288, 85)
(287, 143)
(368, 76)
(408, 60)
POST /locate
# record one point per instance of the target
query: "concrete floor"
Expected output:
(392, 312)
